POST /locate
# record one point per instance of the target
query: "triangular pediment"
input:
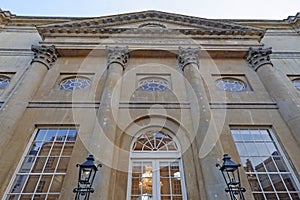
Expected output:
(154, 20)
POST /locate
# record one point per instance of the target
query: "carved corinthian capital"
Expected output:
(188, 56)
(118, 55)
(259, 57)
(46, 55)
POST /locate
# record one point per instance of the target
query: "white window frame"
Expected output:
(25, 153)
(283, 155)
(155, 158)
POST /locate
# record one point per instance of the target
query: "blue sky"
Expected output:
(220, 9)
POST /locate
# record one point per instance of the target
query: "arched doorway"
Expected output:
(155, 171)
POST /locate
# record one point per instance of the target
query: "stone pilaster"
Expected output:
(13, 108)
(105, 131)
(278, 87)
(188, 61)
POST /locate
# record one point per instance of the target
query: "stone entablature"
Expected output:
(59, 31)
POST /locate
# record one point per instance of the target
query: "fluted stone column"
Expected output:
(286, 98)
(117, 58)
(12, 111)
(188, 60)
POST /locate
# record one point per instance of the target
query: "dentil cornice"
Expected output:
(5, 16)
(115, 24)
(295, 22)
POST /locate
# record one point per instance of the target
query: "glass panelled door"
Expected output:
(142, 180)
(155, 168)
(170, 181)
(154, 180)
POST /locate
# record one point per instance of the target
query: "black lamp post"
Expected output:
(231, 176)
(87, 173)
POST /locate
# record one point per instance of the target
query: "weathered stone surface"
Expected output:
(114, 110)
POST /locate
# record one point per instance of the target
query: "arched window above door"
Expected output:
(155, 141)
(156, 171)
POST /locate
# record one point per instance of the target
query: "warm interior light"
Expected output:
(146, 197)
(146, 183)
(177, 175)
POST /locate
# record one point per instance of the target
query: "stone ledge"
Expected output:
(16, 52)
(46, 104)
(283, 55)
(154, 105)
(254, 105)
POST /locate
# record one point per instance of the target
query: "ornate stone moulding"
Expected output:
(295, 22)
(295, 18)
(118, 55)
(258, 57)
(59, 30)
(5, 16)
(46, 55)
(157, 16)
(115, 24)
(188, 56)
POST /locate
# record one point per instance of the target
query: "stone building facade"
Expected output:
(157, 98)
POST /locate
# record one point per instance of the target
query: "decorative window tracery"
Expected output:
(231, 85)
(75, 83)
(153, 85)
(4, 81)
(155, 141)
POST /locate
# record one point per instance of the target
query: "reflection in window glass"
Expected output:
(296, 83)
(267, 169)
(170, 179)
(142, 179)
(44, 167)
